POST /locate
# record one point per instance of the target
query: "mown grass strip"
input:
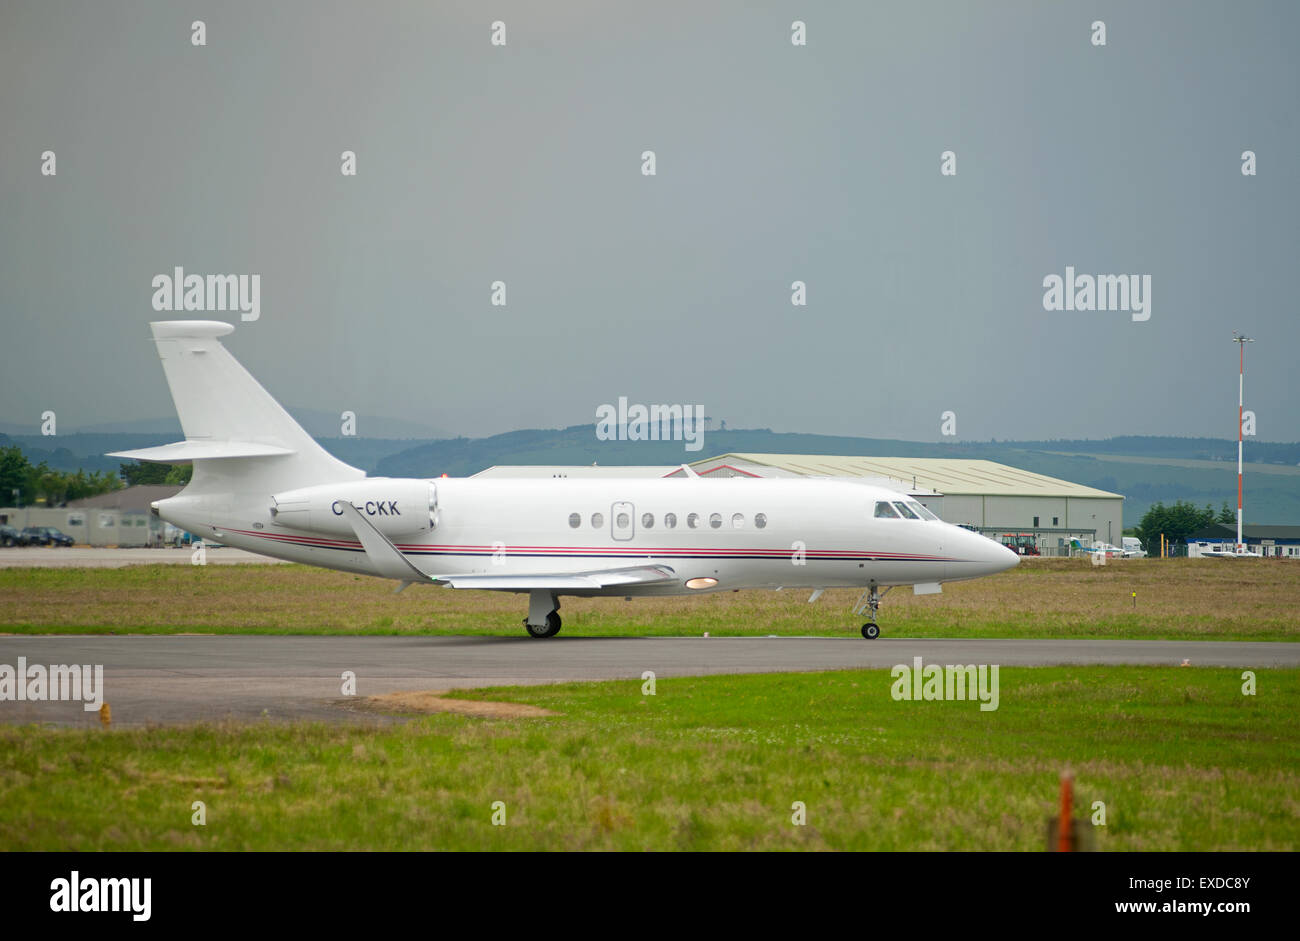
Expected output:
(1065, 598)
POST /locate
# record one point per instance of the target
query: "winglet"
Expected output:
(383, 555)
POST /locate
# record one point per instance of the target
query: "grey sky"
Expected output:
(775, 163)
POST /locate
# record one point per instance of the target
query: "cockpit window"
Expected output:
(921, 510)
(903, 508)
(885, 512)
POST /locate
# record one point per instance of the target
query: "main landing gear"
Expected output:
(549, 629)
(869, 603)
(543, 614)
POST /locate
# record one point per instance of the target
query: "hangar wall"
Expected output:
(1099, 519)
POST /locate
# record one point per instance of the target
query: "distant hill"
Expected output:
(1144, 469)
(1207, 449)
(317, 423)
(81, 452)
(578, 444)
(86, 451)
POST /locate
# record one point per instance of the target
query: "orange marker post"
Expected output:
(1065, 826)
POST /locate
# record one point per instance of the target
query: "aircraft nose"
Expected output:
(993, 556)
(976, 556)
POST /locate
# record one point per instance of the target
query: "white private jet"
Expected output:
(262, 483)
(1102, 548)
(1236, 552)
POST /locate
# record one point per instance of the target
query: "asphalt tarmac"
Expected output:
(192, 678)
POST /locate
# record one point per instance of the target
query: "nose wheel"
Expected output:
(869, 604)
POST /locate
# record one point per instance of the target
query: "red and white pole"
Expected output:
(1241, 341)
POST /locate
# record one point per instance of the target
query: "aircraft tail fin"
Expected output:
(233, 428)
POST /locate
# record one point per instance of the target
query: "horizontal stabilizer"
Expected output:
(182, 452)
(607, 578)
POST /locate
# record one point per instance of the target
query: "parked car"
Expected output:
(9, 536)
(58, 537)
(46, 536)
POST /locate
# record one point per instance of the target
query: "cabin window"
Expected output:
(715, 520)
(738, 521)
(648, 520)
(670, 520)
(760, 520)
(597, 520)
(575, 520)
(907, 513)
(692, 520)
(622, 521)
(885, 512)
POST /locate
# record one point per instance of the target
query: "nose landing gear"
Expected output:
(869, 603)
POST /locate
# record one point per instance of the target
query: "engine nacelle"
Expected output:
(397, 507)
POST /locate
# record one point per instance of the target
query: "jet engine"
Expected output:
(396, 507)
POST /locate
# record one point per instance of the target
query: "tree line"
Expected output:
(23, 483)
(1177, 522)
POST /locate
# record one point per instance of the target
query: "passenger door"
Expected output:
(622, 521)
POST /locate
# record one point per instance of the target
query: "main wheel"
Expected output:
(550, 629)
(870, 631)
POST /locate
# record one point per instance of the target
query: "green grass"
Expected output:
(1182, 760)
(1177, 599)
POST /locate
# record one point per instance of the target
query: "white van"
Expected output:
(1133, 548)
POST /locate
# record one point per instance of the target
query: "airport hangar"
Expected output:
(117, 518)
(991, 498)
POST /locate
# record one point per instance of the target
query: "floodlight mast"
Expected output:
(1241, 340)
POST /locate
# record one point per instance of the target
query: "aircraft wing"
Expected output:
(600, 578)
(385, 557)
(390, 563)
